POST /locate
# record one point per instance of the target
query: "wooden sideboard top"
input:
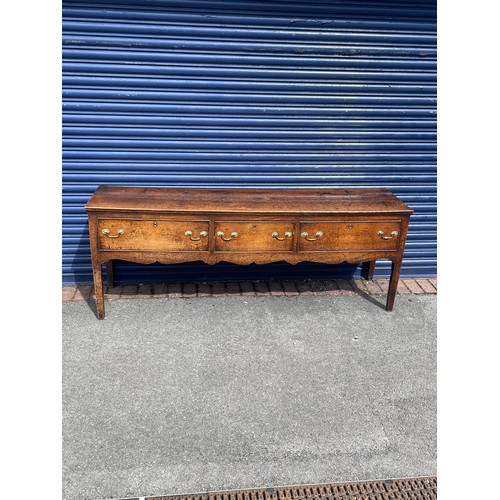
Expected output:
(235, 200)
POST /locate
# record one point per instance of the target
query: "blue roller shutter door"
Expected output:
(249, 94)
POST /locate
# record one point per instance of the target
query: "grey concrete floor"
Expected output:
(190, 395)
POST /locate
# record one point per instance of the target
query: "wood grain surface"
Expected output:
(300, 201)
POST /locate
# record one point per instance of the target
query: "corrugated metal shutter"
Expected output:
(249, 94)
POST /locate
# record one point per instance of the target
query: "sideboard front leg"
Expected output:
(98, 290)
(110, 274)
(393, 284)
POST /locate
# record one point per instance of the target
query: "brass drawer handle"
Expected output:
(319, 235)
(220, 234)
(189, 234)
(107, 231)
(381, 234)
(288, 234)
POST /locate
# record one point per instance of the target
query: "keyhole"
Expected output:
(155, 224)
(350, 226)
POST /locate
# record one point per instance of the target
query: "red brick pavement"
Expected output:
(426, 285)
(287, 288)
(414, 286)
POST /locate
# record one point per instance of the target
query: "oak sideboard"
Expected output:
(244, 226)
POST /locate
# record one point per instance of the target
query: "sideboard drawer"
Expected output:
(253, 236)
(147, 235)
(349, 235)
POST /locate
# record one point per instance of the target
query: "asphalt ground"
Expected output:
(203, 394)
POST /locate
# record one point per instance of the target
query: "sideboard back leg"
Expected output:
(110, 274)
(98, 289)
(393, 284)
(369, 270)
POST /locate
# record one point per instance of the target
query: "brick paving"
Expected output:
(414, 286)
(218, 289)
(290, 288)
(247, 289)
(68, 292)
(345, 286)
(402, 288)
(129, 292)
(287, 288)
(304, 287)
(328, 287)
(261, 288)
(145, 291)
(276, 288)
(373, 287)
(174, 290)
(83, 292)
(189, 290)
(233, 288)
(383, 284)
(426, 285)
(113, 293)
(160, 291)
(204, 289)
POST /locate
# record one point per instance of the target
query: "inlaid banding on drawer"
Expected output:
(147, 235)
(249, 236)
(349, 235)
